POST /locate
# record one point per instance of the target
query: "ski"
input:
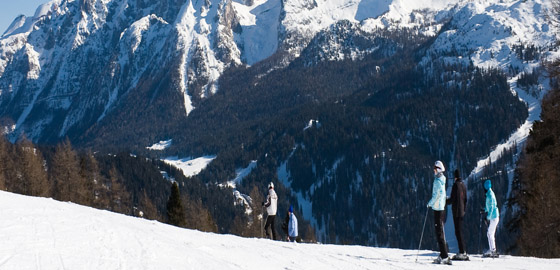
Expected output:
(460, 257)
(493, 256)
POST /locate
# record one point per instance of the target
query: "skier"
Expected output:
(437, 203)
(458, 201)
(492, 218)
(285, 225)
(271, 205)
(292, 226)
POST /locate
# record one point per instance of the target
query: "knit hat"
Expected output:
(271, 185)
(487, 185)
(439, 166)
(456, 174)
(291, 210)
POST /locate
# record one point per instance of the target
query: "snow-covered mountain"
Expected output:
(40, 233)
(74, 63)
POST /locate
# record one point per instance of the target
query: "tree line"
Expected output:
(121, 183)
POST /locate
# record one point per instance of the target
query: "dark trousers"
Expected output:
(270, 223)
(439, 217)
(458, 222)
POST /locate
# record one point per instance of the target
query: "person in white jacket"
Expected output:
(271, 205)
(437, 203)
(292, 226)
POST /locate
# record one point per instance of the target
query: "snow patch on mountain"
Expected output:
(242, 173)
(304, 19)
(189, 166)
(17, 26)
(161, 145)
(489, 29)
(201, 36)
(259, 29)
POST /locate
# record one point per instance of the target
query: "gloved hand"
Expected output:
(262, 204)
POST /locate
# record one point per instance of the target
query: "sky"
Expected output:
(10, 9)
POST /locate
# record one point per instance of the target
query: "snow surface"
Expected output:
(161, 145)
(189, 166)
(242, 173)
(260, 28)
(40, 233)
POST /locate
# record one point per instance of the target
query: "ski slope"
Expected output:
(39, 233)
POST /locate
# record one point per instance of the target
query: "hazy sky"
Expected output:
(10, 9)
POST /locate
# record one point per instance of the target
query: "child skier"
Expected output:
(292, 226)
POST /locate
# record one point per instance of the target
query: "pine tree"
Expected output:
(175, 210)
(538, 185)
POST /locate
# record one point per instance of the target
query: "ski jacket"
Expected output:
(293, 226)
(458, 199)
(491, 205)
(271, 202)
(285, 223)
(438, 193)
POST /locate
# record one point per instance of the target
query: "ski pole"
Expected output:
(262, 217)
(479, 233)
(422, 236)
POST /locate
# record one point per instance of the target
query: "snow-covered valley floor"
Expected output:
(39, 233)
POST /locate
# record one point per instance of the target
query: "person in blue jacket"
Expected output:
(292, 226)
(438, 203)
(492, 218)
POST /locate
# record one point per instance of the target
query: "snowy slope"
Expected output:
(39, 233)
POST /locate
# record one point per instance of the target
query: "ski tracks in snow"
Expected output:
(39, 233)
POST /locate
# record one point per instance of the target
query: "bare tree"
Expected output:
(119, 197)
(32, 171)
(69, 185)
(148, 208)
(5, 163)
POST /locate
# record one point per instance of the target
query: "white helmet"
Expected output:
(439, 165)
(271, 185)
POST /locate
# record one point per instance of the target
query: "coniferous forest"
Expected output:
(537, 183)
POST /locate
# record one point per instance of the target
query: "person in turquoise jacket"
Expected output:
(492, 217)
(437, 203)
